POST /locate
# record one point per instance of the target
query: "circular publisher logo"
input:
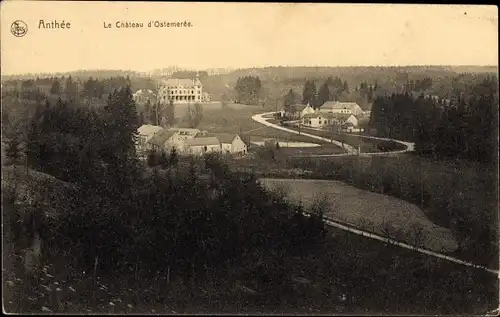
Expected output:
(19, 28)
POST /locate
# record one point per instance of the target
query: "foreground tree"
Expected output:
(309, 93)
(194, 115)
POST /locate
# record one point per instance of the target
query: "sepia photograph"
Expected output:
(171, 158)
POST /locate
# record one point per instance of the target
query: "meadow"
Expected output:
(366, 145)
(367, 210)
(458, 195)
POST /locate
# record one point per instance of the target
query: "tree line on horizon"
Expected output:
(461, 126)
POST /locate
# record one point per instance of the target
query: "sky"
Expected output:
(241, 35)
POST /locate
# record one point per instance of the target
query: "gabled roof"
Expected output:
(203, 141)
(341, 116)
(301, 107)
(181, 82)
(225, 137)
(316, 115)
(328, 104)
(345, 105)
(148, 129)
(185, 131)
(161, 137)
(339, 105)
(311, 115)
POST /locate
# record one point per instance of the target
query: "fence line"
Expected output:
(344, 226)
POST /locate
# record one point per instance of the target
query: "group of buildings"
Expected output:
(179, 91)
(188, 141)
(346, 115)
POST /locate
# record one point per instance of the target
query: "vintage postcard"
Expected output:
(249, 158)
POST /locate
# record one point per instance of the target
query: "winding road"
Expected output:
(347, 227)
(350, 150)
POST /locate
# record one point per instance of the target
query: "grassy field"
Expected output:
(458, 195)
(237, 118)
(371, 211)
(367, 145)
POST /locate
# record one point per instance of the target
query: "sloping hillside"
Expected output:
(31, 187)
(374, 212)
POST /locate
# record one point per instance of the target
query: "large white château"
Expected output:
(180, 90)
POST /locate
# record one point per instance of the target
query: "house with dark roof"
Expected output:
(161, 141)
(146, 132)
(320, 120)
(231, 144)
(202, 145)
(341, 107)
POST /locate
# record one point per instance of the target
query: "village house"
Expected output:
(188, 141)
(321, 120)
(202, 145)
(296, 111)
(341, 107)
(307, 110)
(317, 120)
(232, 144)
(161, 141)
(345, 120)
(146, 132)
(179, 138)
(142, 96)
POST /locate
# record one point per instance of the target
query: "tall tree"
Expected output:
(309, 93)
(170, 113)
(248, 90)
(194, 115)
(56, 87)
(323, 94)
(290, 98)
(121, 114)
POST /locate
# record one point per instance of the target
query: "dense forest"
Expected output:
(460, 126)
(248, 90)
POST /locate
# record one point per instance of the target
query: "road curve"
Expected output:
(344, 226)
(260, 119)
(350, 150)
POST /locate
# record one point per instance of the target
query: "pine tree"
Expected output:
(170, 113)
(309, 93)
(56, 87)
(323, 94)
(173, 157)
(346, 87)
(121, 127)
(289, 98)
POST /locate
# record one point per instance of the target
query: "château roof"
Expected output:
(181, 82)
